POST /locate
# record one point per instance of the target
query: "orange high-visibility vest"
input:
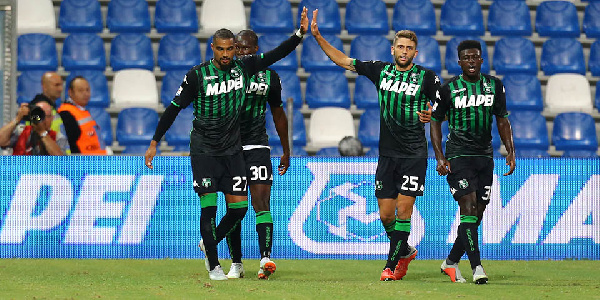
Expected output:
(88, 142)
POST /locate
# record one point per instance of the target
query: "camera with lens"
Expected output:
(36, 115)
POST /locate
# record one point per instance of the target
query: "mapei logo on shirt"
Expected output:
(224, 87)
(259, 88)
(409, 89)
(474, 100)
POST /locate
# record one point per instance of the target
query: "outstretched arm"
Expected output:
(281, 125)
(337, 56)
(506, 135)
(443, 166)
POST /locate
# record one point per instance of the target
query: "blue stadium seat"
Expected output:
(298, 128)
(594, 63)
(277, 150)
(366, 17)
(83, 51)
(562, 55)
(557, 19)
(209, 53)
(374, 151)
(327, 88)
(329, 15)
(575, 131)
(523, 92)
(529, 132)
(314, 59)
(368, 128)
(510, 18)
(80, 16)
(178, 134)
(515, 55)
(177, 16)
(429, 54)
(29, 84)
(415, 15)
(129, 50)
(102, 119)
(170, 85)
(271, 16)
(445, 132)
(371, 47)
(36, 51)
(462, 17)
(128, 16)
(452, 55)
(268, 42)
(136, 125)
(328, 151)
(591, 20)
(597, 97)
(137, 150)
(178, 51)
(365, 93)
(98, 87)
(290, 88)
(580, 153)
(496, 141)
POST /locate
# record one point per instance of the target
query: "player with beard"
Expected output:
(405, 91)
(216, 89)
(469, 102)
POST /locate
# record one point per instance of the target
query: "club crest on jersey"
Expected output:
(261, 77)
(378, 185)
(235, 73)
(463, 183)
(487, 88)
(414, 78)
(206, 182)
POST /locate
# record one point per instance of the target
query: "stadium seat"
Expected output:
(328, 151)
(557, 19)
(365, 93)
(374, 151)
(329, 18)
(134, 88)
(129, 50)
(575, 131)
(445, 132)
(452, 55)
(314, 59)
(597, 98)
(80, 16)
(271, 16)
(415, 15)
(136, 126)
(509, 18)
(137, 150)
(371, 47)
(366, 17)
(83, 51)
(562, 55)
(98, 87)
(523, 92)
(102, 119)
(277, 150)
(594, 63)
(170, 85)
(176, 16)
(327, 88)
(290, 88)
(429, 54)
(568, 92)
(209, 53)
(515, 55)
(591, 20)
(298, 129)
(128, 16)
(329, 125)
(496, 140)
(29, 84)
(36, 51)
(217, 14)
(178, 51)
(529, 132)
(368, 127)
(36, 16)
(178, 134)
(268, 42)
(462, 17)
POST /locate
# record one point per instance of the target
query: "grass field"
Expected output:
(294, 279)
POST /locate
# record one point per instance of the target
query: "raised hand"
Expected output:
(425, 115)
(314, 28)
(304, 20)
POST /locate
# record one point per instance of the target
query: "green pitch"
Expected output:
(294, 279)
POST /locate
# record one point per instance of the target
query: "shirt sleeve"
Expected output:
(188, 90)
(274, 97)
(62, 142)
(258, 62)
(499, 109)
(432, 86)
(442, 105)
(371, 69)
(73, 131)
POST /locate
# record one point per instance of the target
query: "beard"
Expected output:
(403, 65)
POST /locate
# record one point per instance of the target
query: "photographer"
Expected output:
(37, 138)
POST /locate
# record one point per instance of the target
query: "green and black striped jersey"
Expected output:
(470, 108)
(401, 95)
(264, 87)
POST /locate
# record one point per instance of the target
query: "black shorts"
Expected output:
(405, 176)
(225, 174)
(259, 169)
(471, 174)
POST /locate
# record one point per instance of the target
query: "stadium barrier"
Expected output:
(114, 207)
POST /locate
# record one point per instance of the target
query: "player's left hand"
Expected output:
(284, 164)
(510, 161)
(150, 153)
(425, 115)
(304, 20)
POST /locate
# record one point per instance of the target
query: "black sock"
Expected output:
(207, 230)
(389, 229)
(234, 215)
(394, 253)
(403, 226)
(264, 228)
(234, 242)
(468, 235)
(457, 251)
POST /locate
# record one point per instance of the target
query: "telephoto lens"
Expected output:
(36, 115)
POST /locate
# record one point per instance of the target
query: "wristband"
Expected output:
(299, 33)
(43, 134)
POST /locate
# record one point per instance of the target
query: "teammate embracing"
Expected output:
(405, 90)
(470, 101)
